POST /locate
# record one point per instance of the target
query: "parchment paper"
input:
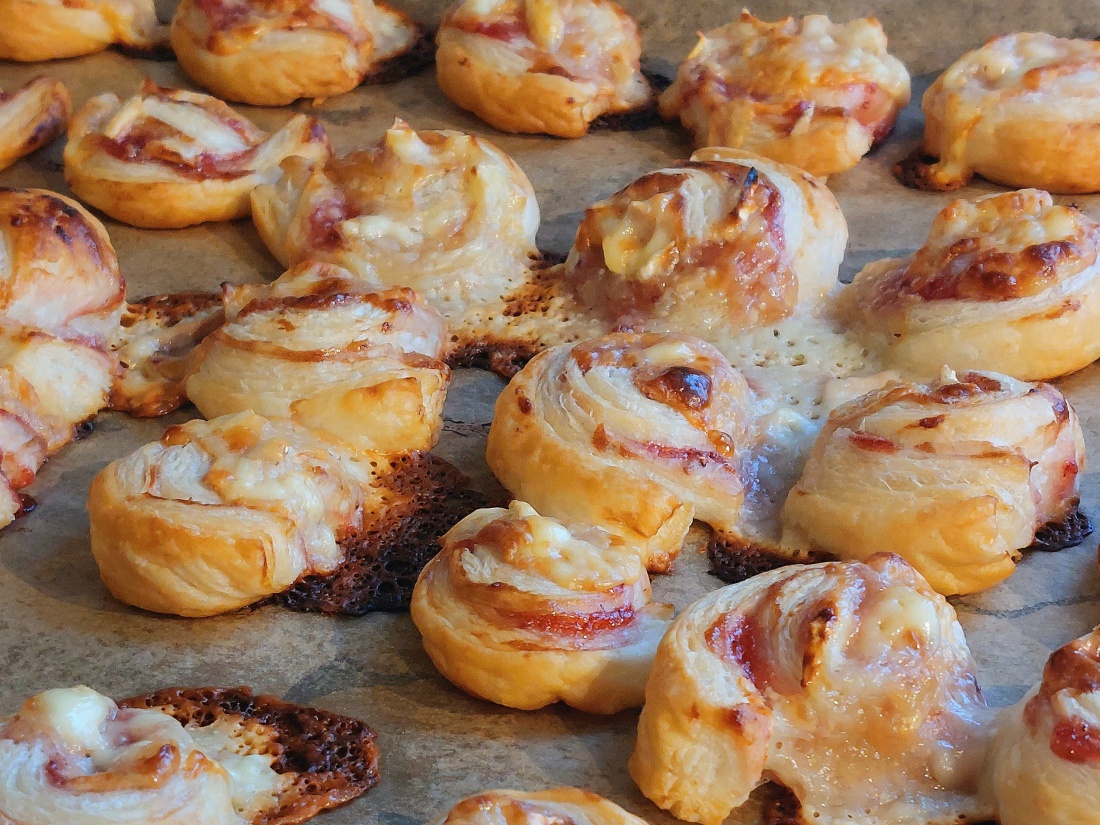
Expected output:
(58, 626)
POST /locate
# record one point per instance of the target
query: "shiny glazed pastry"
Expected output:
(810, 92)
(1045, 760)
(32, 117)
(635, 434)
(727, 241)
(219, 514)
(567, 806)
(177, 757)
(524, 611)
(272, 52)
(169, 158)
(849, 683)
(1023, 110)
(541, 66)
(322, 348)
(956, 476)
(32, 30)
(1008, 283)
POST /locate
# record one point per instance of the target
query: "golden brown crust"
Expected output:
(34, 30)
(561, 806)
(32, 117)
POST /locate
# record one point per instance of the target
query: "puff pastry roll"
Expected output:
(272, 52)
(32, 117)
(634, 433)
(957, 476)
(848, 683)
(178, 757)
(541, 66)
(1008, 283)
(568, 806)
(1023, 110)
(1045, 759)
(323, 349)
(524, 611)
(726, 241)
(810, 92)
(32, 30)
(169, 158)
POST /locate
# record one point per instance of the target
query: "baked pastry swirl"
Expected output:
(524, 611)
(849, 683)
(726, 241)
(272, 52)
(31, 117)
(1022, 110)
(1008, 283)
(1045, 759)
(178, 757)
(33, 30)
(169, 158)
(956, 476)
(809, 92)
(322, 348)
(542, 67)
(634, 433)
(562, 806)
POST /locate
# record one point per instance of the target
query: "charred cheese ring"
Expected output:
(1045, 760)
(523, 611)
(635, 434)
(809, 92)
(541, 66)
(561, 806)
(1023, 110)
(848, 683)
(169, 158)
(33, 30)
(956, 476)
(1008, 283)
(32, 117)
(272, 52)
(726, 241)
(323, 349)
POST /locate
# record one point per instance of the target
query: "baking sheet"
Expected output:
(58, 626)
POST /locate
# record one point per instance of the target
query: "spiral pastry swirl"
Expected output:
(849, 683)
(634, 433)
(1008, 283)
(542, 67)
(31, 117)
(272, 52)
(34, 30)
(724, 242)
(561, 806)
(956, 476)
(523, 611)
(320, 347)
(810, 92)
(168, 158)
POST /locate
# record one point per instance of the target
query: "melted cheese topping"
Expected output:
(560, 806)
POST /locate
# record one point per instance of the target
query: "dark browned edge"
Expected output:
(1070, 531)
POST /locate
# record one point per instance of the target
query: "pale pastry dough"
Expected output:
(32, 30)
(1022, 110)
(32, 117)
(1045, 761)
(73, 756)
(810, 92)
(849, 683)
(559, 806)
(541, 66)
(272, 52)
(169, 158)
(1008, 283)
(219, 514)
(322, 348)
(727, 241)
(956, 476)
(524, 611)
(634, 433)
